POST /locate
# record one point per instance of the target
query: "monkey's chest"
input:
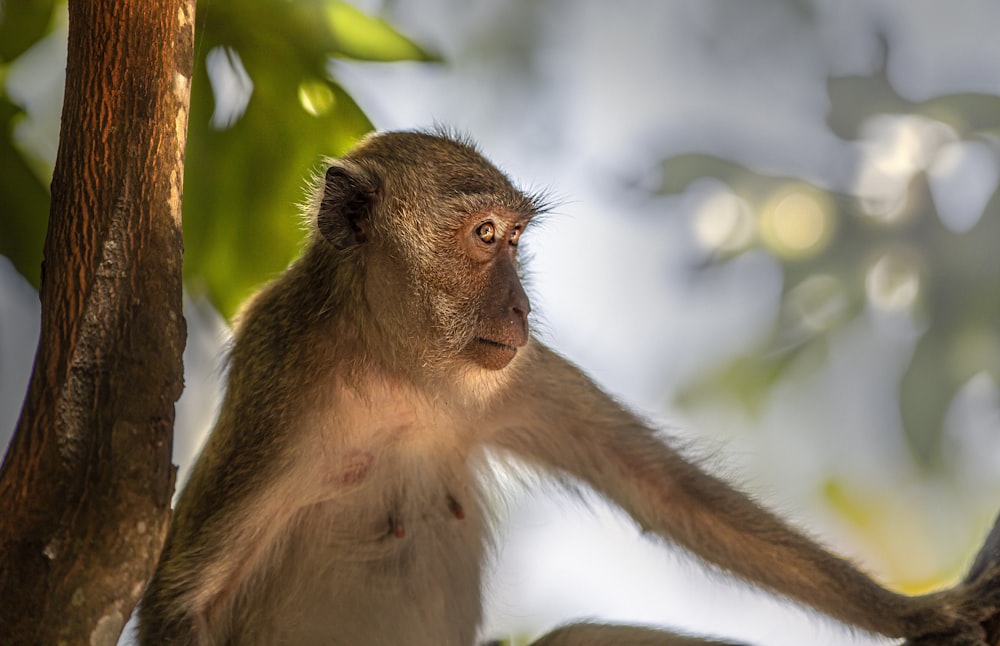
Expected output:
(402, 489)
(398, 507)
(408, 535)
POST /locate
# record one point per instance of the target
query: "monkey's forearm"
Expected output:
(724, 527)
(719, 524)
(715, 522)
(162, 622)
(216, 540)
(597, 441)
(597, 634)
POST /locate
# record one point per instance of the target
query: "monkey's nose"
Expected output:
(520, 306)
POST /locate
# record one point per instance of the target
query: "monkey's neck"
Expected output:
(322, 297)
(319, 307)
(328, 283)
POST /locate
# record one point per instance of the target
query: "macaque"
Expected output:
(340, 497)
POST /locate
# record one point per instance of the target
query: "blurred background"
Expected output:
(777, 235)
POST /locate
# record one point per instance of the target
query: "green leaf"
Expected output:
(22, 24)
(847, 503)
(367, 38)
(243, 183)
(24, 203)
(746, 380)
(24, 198)
(681, 170)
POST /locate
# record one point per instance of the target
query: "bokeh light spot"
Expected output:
(316, 97)
(818, 302)
(893, 281)
(797, 222)
(724, 222)
(895, 148)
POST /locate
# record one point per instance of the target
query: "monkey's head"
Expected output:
(432, 229)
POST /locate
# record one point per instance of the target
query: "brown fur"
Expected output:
(339, 498)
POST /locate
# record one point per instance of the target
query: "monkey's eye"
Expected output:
(487, 232)
(515, 234)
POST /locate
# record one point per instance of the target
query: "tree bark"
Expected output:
(988, 558)
(85, 487)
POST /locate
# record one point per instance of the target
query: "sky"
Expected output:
(586, 98)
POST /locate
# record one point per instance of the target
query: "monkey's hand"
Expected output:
(967, 635)
(960, 616)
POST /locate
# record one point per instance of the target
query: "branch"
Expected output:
(988, 558)
(86, 484)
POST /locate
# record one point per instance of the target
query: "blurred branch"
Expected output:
(988, 558)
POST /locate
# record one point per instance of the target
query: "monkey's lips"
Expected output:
(492, 355)
(496, 344)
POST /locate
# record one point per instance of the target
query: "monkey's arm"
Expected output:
(564, 421)
(239, 497)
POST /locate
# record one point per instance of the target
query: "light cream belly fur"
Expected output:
(401, 528)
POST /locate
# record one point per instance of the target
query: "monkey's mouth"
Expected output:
(490, 354)
(496, 344)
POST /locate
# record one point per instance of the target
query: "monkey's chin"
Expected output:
(491, 355)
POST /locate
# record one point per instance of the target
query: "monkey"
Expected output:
(343, 494)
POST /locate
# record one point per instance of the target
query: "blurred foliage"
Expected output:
(22, 25)
(24, 197)
(261, 120)
(855, 99)
(24, 201)
(899, 258)
(244, 180)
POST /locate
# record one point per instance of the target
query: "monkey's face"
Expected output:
(436, 227)
(464, 303)
(499, 305)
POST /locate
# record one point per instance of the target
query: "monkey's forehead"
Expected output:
(441, 166)
(512, 206)
(420, 149)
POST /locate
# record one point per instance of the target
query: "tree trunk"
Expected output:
(85, 487)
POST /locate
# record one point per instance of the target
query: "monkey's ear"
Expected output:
(348, 196)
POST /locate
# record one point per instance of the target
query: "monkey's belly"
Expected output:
(359, 571)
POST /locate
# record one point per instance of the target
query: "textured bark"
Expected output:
(86, 484)
(988, 558)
